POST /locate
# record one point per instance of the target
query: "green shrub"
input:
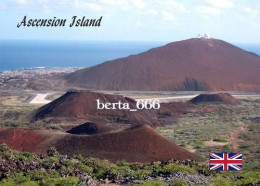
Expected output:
(67, 170)
(101, 168)
(157, 169)
(123, 161)
(30, 183)
(135, 166)
(93, 162)
(19, 178)
(39, 175)
(172, 167)
(220, 181)
(69, 181)
(139, 174)
(52, 151)
(4, 148)
(178, 182)
(27, 156)
(219, 140)
(100, 172)
(85, 168)
(67, 163)
(203, 168)
(117, 172)
(90, 162)
(78, 157)
(52, 159)
(7, 182)
(249, 177)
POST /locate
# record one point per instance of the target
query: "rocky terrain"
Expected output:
(118, 142)
(34, 79)
(24, 168)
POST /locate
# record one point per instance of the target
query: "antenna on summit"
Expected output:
(204, 36)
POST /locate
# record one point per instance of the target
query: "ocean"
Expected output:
(30, 54)
(21, 54)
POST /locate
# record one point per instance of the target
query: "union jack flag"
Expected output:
(225, 161)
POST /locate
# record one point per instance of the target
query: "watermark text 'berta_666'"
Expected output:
(140, 104)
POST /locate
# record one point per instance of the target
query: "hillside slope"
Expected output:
(193, 64)
(83, 105)
(138, 144)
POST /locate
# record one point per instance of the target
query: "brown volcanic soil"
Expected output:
(193, 64)
(215, 98)
(75, 106)
(141, 144)
(91, 128)
(26, 140)
(83, 105)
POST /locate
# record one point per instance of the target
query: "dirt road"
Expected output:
(234, 137)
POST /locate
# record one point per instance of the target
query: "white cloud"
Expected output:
(220, 3)
(251, 11)
(22, 2)
(172, 5)
(139, 24)
(139, 4)
(207, 10)
(87, 5)
(2, 6)
(151, 12)
(167, 15)
(114, 2)
(115, 5)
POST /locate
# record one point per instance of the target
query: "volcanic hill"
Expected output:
(90, 128)
(192, 65)
(223, 98)
(137, 144)
(83, 105)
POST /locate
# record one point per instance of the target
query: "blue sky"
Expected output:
(235, 21)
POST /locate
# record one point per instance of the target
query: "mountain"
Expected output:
(224, 98)
(137, 144)
(193, 64)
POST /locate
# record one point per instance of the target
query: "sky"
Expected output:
(234, 21)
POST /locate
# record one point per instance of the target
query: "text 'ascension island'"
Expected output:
(75, 22)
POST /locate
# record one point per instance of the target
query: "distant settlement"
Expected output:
(75, 22)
